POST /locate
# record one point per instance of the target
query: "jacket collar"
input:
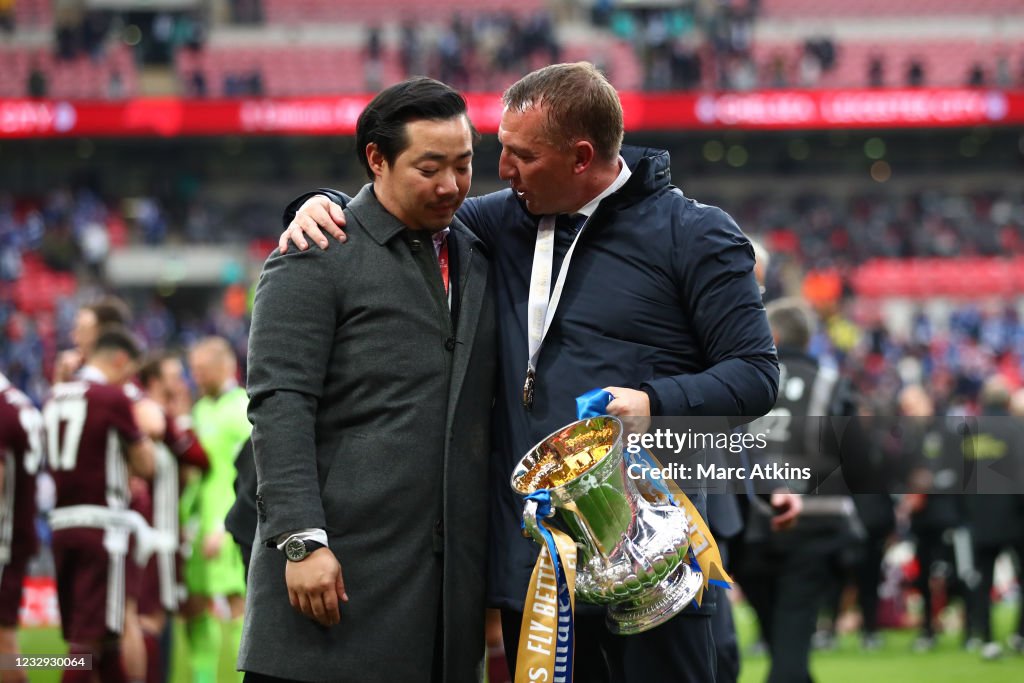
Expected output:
(382, 226)
(651, 170)
(372, 215)
(620, 180)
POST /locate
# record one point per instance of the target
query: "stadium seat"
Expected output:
(802, 9)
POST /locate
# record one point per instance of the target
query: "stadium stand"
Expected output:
(317, 47)
(369, 11)
(80, 78)
(945, 63)
(284, 71)
(802, 9)
(35, 13)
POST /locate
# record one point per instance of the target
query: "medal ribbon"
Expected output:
(543, 300)
(546, 637)
(703, 548)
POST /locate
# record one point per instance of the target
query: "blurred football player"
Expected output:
(95, 440)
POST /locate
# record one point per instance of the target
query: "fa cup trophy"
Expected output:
(632, 554)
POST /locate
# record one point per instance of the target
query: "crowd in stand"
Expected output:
(475, 52)
(88, 32)
(951, 355)
(846, 231)
(73, 231)
(695, 44)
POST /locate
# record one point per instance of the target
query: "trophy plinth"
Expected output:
(632, 554)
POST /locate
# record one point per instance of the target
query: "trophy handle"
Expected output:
(531, 527)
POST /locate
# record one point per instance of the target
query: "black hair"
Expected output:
(153, 365)
(118, 338)
(383, 121)
(110, 310)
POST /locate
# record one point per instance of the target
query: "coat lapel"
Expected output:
(472, 288)
(383, 227)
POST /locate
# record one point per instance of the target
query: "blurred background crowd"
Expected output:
(97, 50)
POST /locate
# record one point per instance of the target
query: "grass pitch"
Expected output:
(893, 663)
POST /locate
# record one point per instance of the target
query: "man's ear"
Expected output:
(583, 155)
(375, 158)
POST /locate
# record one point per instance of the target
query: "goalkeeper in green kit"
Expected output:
(214, 566)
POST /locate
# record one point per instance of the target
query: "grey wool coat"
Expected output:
(371, 420)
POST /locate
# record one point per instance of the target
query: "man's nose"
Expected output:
(505, 167)
(447, 183)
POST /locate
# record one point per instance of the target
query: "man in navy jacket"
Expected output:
(660, 306)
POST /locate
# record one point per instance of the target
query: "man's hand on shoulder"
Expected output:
(317, 215)
(315, 586)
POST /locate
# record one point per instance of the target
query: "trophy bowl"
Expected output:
(631, 553)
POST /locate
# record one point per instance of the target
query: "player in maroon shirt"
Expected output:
(20, 458)
(92, 319)
(93, 443)
(162, 379)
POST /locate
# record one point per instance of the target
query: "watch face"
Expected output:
(295, 550)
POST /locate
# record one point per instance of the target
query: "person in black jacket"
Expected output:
(1016, 640)
(786, 573)
(930, 451)
(649, 294)
(877, 514)
(995, 515)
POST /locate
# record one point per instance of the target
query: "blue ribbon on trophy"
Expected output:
(538, 639)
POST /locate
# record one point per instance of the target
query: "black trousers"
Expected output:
(869, 576)
(929, 549)
(723, 632)
(787, 589)
(679, 651)
(981, 604)
(981, 619)
(723, 629)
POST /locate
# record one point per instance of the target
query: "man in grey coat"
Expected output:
(371, 375)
